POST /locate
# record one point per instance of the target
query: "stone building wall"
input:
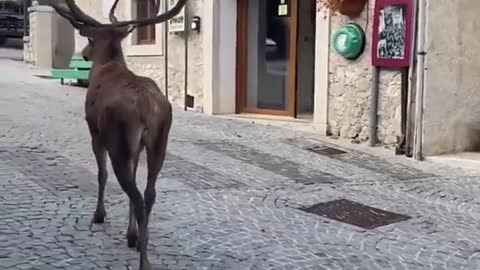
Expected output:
(350, 90)
(28, 51)
(153, 66)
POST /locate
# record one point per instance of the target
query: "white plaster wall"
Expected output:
(50, 41)
(322, 64)
(350, 89)
(29, 55)
(41, 41)
(219, 46)
(227, 19)
(452, 86)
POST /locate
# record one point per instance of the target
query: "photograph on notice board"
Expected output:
(392, 33)
(391, 30)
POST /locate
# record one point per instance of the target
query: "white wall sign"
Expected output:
(177, 23)
(283, 8)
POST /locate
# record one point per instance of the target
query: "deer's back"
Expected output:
(125, 96)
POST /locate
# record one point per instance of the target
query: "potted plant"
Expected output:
(351, 8)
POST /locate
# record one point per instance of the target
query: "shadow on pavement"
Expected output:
(13, 43)
(12, 49)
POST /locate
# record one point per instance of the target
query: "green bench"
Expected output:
(79, 70)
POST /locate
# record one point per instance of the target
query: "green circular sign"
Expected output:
(349, 41)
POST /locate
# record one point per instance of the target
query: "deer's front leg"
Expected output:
(101, 157)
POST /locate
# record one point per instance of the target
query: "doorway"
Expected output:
(275, 57)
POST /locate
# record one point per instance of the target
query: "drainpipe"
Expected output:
(166, 36)
(187, 28)
(418, 137)
(372, 137)
(411, 110)
(412, 90)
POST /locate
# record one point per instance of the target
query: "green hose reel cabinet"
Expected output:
(349, 41)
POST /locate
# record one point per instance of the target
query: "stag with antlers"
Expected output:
(125, 113)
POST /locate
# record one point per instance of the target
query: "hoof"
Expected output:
(132, 240)
(145, 266)
(98, 218)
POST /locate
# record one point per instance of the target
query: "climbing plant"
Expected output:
(351, 8)
(332, 5)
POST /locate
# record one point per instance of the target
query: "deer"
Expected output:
(125, 114)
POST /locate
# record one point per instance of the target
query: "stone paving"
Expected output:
(229, 197)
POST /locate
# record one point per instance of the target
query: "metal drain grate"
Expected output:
(356, 214)
(326, 150)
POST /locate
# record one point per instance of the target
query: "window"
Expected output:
(146, 40)
(146, 34)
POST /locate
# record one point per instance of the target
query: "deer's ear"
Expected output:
(87, 31)
(122, 33)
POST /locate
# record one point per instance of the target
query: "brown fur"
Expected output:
(125, 113)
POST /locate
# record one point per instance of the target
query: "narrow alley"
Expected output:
(232, 195)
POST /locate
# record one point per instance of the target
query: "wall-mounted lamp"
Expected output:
(195, 26)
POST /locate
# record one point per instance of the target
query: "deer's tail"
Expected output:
(122, 134)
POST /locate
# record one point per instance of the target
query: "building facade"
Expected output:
(253, 57)
(451, 115)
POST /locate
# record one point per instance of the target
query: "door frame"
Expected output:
(242, 64)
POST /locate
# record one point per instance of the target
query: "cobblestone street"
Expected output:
(232, 195)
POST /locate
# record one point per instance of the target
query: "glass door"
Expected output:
(266, 56)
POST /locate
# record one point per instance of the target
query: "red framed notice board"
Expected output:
(392, 33)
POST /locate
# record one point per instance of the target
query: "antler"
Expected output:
(78, 18)
(66, 14)
(80, 15)
(111, 16)
(158, 18)
(74, 14)
(157, 7)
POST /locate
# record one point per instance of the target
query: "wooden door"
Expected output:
(267, 57)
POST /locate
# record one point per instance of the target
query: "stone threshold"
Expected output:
(464, 160)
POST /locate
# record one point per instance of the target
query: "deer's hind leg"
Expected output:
(124, 168)
(123, 148)
(156, 153)
(101, 157)
(132, 229)
(100, 153)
